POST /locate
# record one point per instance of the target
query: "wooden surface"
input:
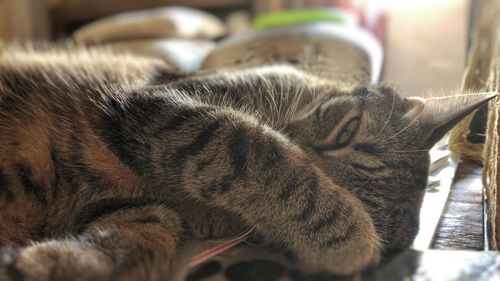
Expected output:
(461, 225)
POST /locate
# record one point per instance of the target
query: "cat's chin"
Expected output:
(392, 250)
(397, 246)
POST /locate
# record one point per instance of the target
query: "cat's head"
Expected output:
(376, 143)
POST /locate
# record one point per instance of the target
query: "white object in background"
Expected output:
(177, 22)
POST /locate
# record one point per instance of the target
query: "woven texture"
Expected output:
(491, 174)
(483, 74)
(491, 152)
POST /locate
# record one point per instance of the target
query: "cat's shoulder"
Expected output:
(69, 65)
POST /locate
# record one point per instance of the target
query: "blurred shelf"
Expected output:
(82, 11)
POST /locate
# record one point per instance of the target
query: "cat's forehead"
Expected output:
(369, 99)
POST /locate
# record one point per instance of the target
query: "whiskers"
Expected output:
(415, 151)
(389, 118)
(404, 128)
(212, 252)
(406, 154)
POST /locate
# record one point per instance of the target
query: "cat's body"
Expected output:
(114, 163)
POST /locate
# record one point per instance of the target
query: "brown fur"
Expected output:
(112, 162)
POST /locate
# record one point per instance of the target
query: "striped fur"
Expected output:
(110, 163)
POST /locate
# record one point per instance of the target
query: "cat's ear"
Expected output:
(436, 116)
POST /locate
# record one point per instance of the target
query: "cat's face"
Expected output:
(375, 143)
(371, 141)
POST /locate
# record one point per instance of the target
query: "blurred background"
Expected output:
(424, 41)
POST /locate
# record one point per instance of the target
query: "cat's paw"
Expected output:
(347, 260)
(53, 261)
(358, 250)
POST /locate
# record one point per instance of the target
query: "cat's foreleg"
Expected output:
(256, 173)
(129, 244)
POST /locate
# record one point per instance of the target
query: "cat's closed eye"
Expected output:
(347, 132)
(344, 136)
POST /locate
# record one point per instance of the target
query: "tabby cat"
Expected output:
(112, 163)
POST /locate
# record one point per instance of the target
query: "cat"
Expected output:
(110, 163)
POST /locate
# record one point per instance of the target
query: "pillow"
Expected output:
(154, 23)
(183, 54)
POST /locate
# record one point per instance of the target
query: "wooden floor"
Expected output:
(461, 225)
